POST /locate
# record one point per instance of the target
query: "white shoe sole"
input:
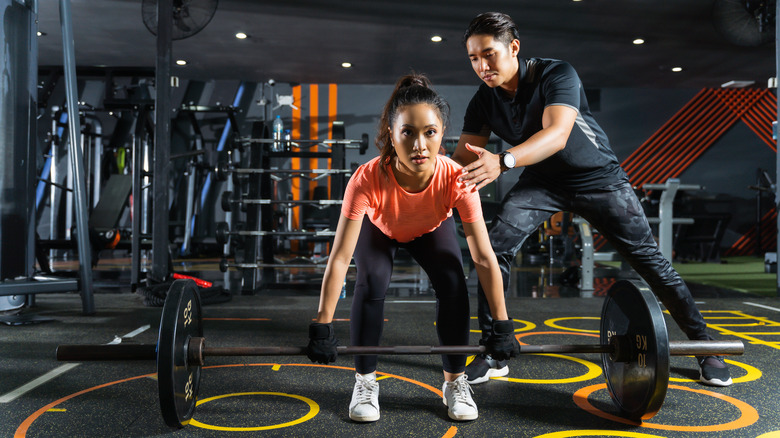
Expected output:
(715, 382)
(461, 417)
(363, 419)
(493, 372)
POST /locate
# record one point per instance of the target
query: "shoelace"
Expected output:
(460, 390)
(364, 391)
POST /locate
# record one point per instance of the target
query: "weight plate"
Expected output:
(178, 381)
(222, 233)
(225, 200)
(638, 386)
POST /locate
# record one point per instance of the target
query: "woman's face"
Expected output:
(417, 133)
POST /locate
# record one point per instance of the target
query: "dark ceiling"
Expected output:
(305, 41)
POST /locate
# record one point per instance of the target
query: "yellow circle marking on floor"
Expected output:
(593, 369)
(748, 414)
(593, 372)
(553, 323)
(527, 325)
(314, 409)
(752, 373)
(596, 433)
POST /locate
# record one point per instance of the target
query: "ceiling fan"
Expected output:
(189, 16)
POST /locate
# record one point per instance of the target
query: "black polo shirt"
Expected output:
(586, 162)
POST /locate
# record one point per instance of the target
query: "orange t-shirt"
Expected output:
(402, 215)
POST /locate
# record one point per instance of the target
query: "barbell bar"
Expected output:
(226, 202)
(197, 350)
(224, 265)
(222, 170)
(634, 348)
(361, 145)
(222, 233)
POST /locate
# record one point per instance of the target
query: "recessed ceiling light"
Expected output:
(346, 64)
(181, 62)
(676, 69)
(241, 35)
(436, 39)
(639, 41)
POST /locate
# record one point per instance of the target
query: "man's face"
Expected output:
(493, 61)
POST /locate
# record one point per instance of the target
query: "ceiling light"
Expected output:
(676, 69)
(639, 41)
(346, 64)
(181, 62)
(241, 35)
(41, 33)
(436, 39)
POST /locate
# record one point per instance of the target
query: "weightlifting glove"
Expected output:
(502, 344)
(322, 343)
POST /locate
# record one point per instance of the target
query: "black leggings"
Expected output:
(617, 214)
(438, 253)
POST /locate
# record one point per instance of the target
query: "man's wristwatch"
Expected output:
(507, 160)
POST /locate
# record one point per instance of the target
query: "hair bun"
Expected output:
(414, 79)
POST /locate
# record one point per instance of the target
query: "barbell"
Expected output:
(226, 202)
(222, 233)
(634, 348)
(361, 145)
(222, 170)
(225, 264)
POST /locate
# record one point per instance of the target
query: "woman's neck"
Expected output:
(410, 181)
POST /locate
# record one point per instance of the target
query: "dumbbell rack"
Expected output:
(259, 254)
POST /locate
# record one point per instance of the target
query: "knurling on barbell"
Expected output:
(634, 348)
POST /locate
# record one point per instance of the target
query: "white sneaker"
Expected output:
(364, 406)
(457, 398)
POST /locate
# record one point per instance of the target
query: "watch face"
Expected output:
(509, 160)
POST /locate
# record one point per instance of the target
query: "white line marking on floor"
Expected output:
(137, 331)
(13, 395)
(29, 386)
(761, 306)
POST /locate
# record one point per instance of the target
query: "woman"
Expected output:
(404, 199)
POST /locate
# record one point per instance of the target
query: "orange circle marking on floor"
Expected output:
(748, 416)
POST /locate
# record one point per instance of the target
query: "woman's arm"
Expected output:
(487, 267)
(347, 232)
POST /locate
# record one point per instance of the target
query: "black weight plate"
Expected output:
(638, 387)
(225, 200)
(222, 233)
(178, 381)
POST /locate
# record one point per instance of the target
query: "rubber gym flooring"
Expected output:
(543, 395)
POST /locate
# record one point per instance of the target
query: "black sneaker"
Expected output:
(483, 367)
(713, 371)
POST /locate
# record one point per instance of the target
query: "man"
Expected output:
(538, 106)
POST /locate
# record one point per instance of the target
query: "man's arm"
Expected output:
(557, 123)
(462, 155)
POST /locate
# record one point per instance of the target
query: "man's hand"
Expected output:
(484, 170)
(502, 343)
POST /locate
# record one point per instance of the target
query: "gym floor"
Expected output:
(543, 395)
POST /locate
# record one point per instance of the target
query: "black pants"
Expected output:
(438, 253)
(617, 214)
